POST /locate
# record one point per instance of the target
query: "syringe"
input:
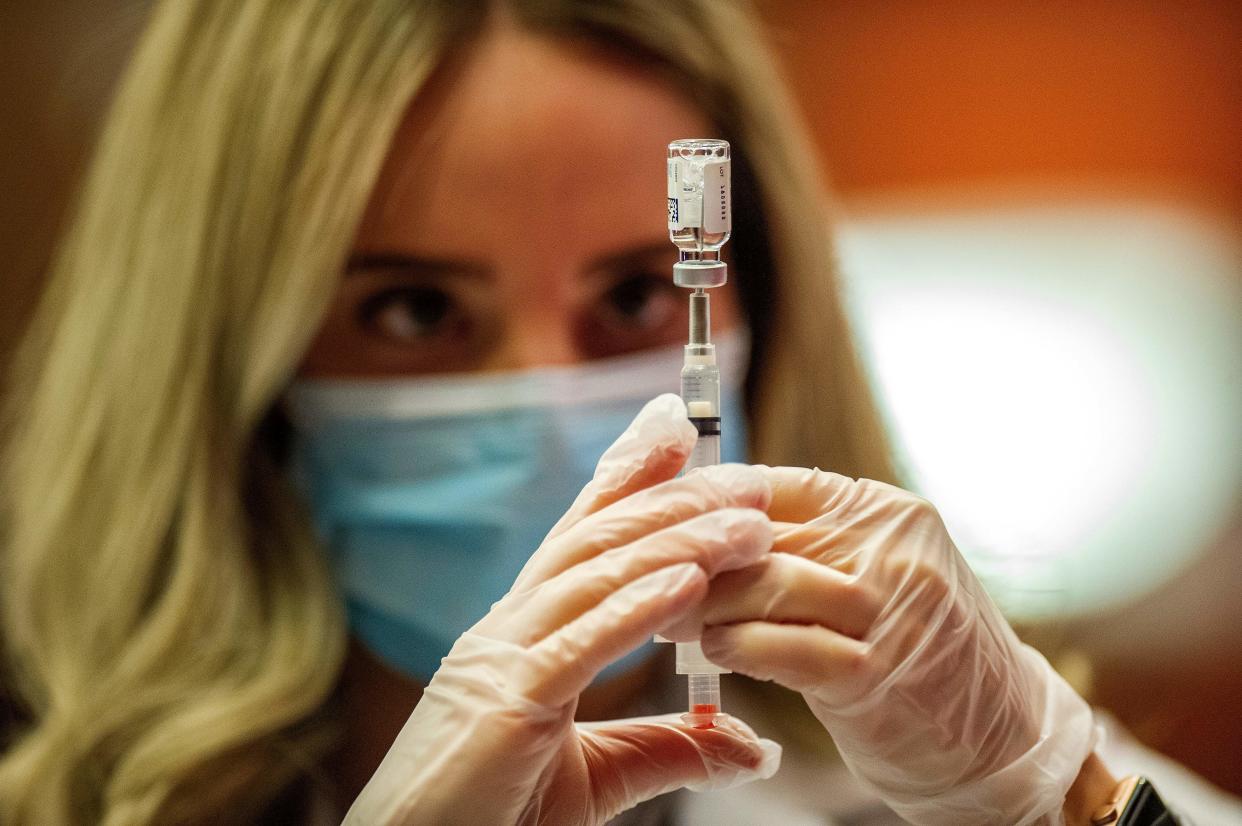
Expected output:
(699, 222)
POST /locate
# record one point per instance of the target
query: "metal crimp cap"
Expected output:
(700, 274)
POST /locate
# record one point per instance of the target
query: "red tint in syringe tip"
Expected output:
(704, 701)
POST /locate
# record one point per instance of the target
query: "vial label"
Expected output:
(685, 195)
(674, 178)
(699, 196)
(717, 205)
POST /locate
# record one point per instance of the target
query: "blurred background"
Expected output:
(1040, 210)
(1040, 226)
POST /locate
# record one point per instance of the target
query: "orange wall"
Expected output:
(936, 92)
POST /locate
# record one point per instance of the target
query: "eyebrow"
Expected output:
(416, 264)
(630, 257)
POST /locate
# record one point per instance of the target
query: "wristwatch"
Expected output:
(1134, 803)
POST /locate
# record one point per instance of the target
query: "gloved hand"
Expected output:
(493, 739)
(871, 613)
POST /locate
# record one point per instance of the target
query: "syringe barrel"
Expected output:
(700, 390)
(706, 450)
(700, 381)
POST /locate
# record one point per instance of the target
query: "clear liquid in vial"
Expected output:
(699, 204)
(696, 239)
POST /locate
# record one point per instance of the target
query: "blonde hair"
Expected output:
(170, 628)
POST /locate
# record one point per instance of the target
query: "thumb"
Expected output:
(630, 761)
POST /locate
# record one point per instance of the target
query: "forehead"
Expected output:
(532, 127)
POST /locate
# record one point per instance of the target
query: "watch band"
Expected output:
(1134, 803)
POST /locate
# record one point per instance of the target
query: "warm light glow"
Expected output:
(1063, 383)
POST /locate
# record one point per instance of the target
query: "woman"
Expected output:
(484, 175)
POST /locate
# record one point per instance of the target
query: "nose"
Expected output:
(542, 305)
(539, 343)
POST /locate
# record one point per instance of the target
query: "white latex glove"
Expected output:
(874, 617)
(493, 739)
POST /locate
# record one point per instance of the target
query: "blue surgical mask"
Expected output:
(432, 493)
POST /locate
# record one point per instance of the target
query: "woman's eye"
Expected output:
(643, 302)
(411, 314)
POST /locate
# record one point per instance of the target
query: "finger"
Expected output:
(786, 588)
(802, 494)
(643, 513)
(630, 761)
(717, 541)
(562, 664)
(801, 657)
(653, 449)
(826, 541)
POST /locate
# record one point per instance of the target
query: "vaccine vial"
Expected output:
(700, 208)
